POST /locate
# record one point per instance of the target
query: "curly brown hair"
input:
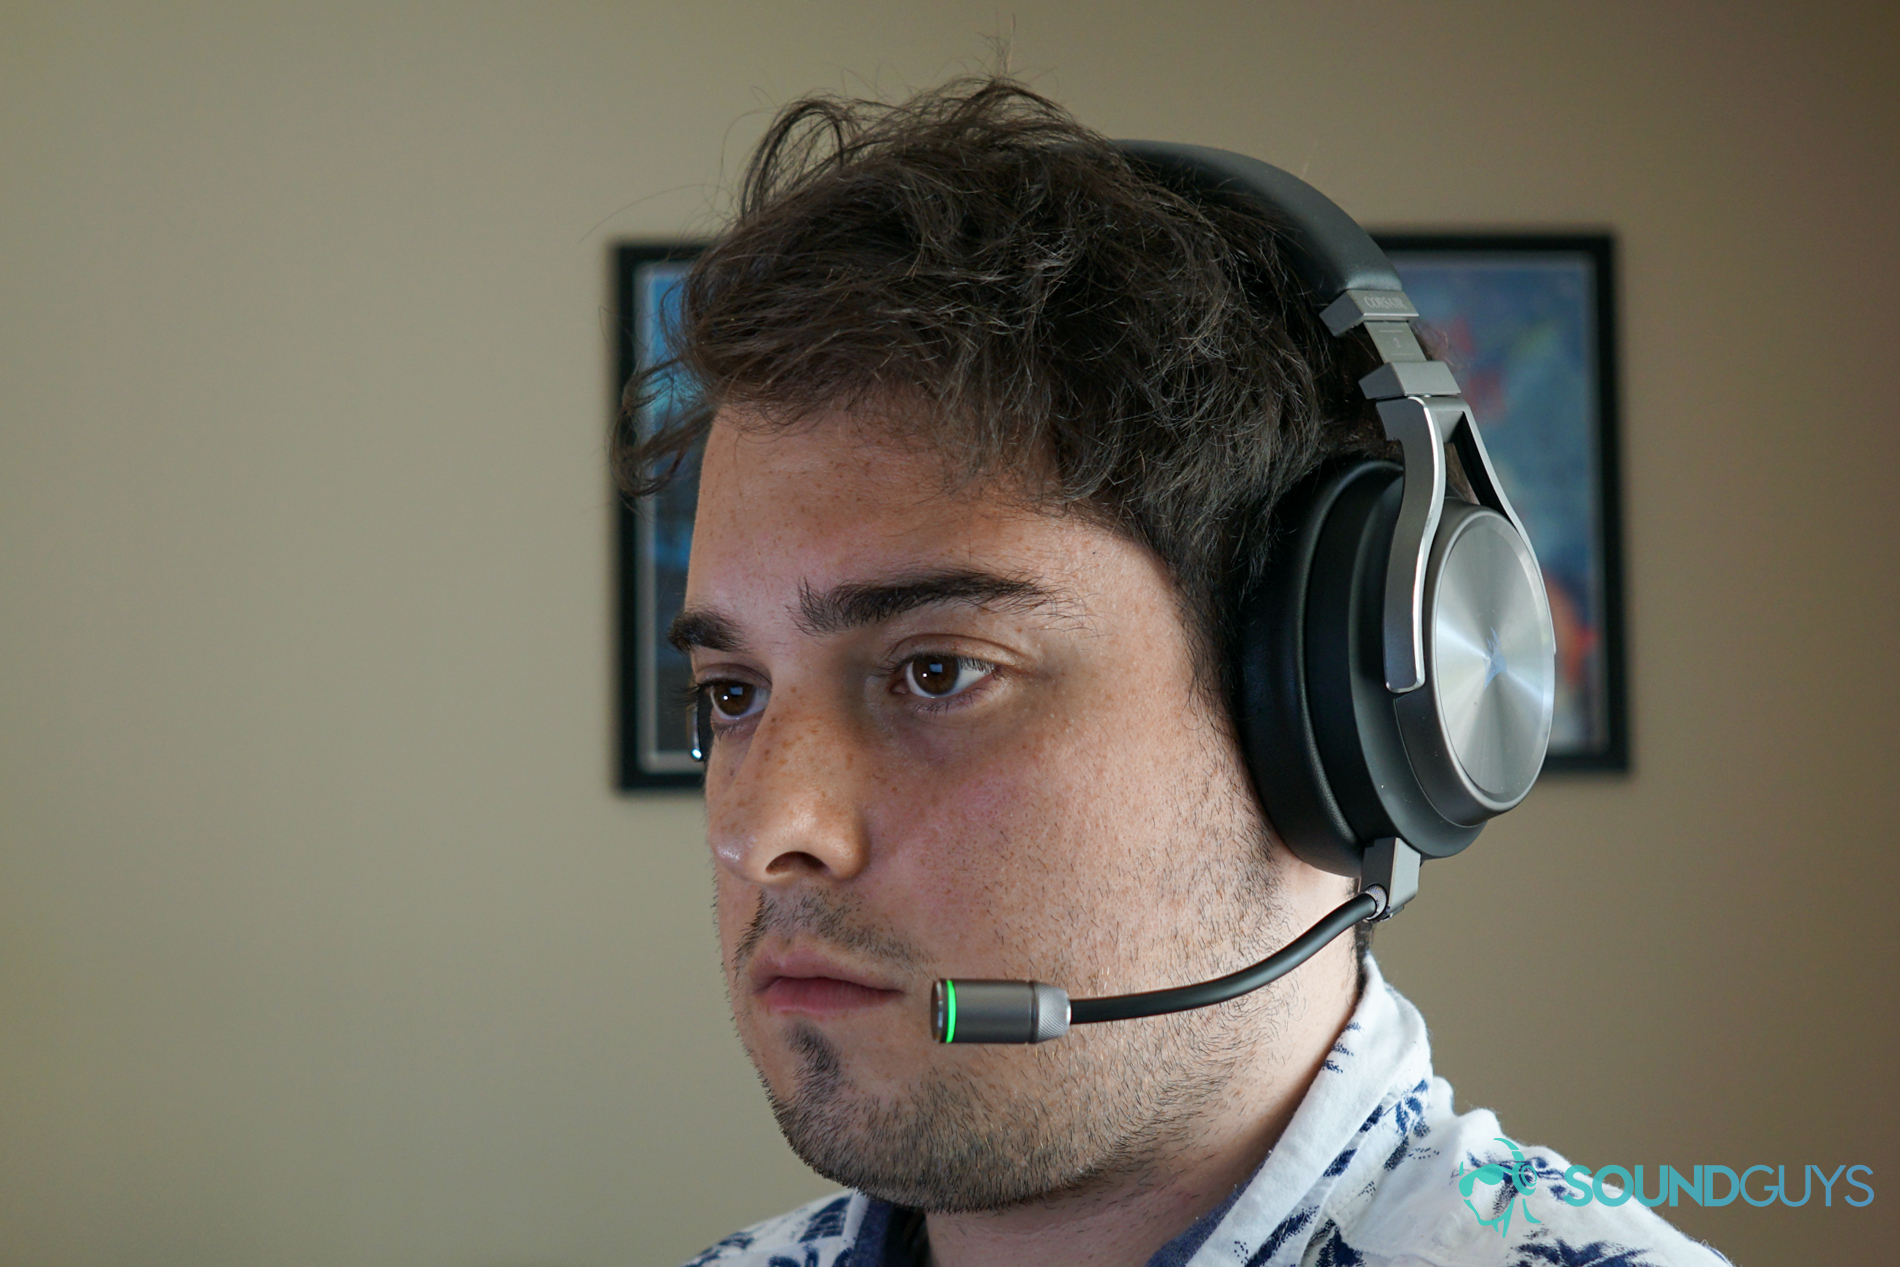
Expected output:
(1029, 301)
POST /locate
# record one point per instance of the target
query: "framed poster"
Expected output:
(652, 539)
(1527, 321)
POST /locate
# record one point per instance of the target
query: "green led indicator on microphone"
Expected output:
(998, 1012)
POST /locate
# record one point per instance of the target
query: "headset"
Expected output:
(1396, 662)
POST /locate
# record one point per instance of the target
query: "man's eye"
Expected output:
(733, 700)
(941, 676)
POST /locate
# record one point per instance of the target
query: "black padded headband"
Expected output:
(1331, 253)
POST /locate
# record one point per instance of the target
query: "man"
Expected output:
(992, 423)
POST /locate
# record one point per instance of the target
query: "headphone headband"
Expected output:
(1331, 254)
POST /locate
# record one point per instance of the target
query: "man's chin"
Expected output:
(800, 1057)
(942, 1143)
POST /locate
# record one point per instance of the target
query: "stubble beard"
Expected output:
(1000, 1127)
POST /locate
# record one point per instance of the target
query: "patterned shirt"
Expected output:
(1376, 1169)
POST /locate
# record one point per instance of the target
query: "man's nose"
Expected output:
(785, 806)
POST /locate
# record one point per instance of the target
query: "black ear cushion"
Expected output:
(1353, 715)
(1316, 722)
(1275, 719)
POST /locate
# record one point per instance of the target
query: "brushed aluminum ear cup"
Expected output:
(1477, 731)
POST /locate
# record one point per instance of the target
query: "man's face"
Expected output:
(958, 736)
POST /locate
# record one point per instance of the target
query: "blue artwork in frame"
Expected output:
(1527, 321)
(653, 538)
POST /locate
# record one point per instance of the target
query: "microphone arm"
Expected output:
(1035, 1012)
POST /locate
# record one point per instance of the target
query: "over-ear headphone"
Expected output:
(1396, 663)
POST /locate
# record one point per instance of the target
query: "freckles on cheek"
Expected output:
(994, 837)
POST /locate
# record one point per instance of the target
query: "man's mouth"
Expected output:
(806, 983)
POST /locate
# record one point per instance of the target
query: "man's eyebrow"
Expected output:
(707, 630)
(855, 604)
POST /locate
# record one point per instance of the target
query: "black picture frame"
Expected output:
(653, 731)
(1566, 282)
(1528, 323)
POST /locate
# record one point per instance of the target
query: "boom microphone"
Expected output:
(1035, 1011)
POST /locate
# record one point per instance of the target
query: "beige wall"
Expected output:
(322, 937)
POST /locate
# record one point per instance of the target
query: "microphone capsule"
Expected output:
(998, 1012)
